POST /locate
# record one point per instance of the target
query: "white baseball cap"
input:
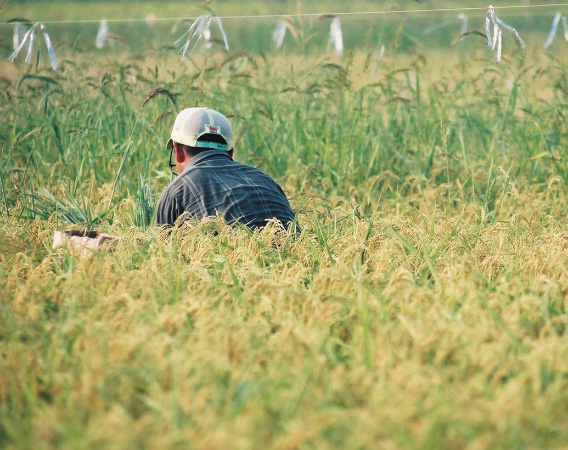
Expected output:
(192, 123)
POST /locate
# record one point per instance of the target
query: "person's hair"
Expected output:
(193, 151)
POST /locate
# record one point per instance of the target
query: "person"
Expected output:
(211, 182)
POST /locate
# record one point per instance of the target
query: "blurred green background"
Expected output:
(159, 24)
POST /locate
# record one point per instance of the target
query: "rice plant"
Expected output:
(423, 304)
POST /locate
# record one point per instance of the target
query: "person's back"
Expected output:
(211, 183)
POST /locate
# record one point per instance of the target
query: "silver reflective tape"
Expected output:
(279, 33)
(488, 31)
(31, 45)
(16, 37)
(495, 42)
(499, 43)
(463, 19)
(102, 34)
(220, 25)
(200, 28)
(50, 50)
(22, 44)
(336, 36)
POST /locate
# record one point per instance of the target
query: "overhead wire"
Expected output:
(296, 15)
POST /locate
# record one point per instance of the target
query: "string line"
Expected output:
(297, 15)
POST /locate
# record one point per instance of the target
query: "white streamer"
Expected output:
(50, 50)
(499, 33)
(29, 38)
(463, 19)
(279, 34)
(496, 35)
(102, 34)
(488, 30)
(16, 39)
(495, 41)
(336, 36)
(207, 36)
(220, 25)
(197, 25)
(31, 46)
(201, 28)
(554, 28)
(24, 40)
(203, 23)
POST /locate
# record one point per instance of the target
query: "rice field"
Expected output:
(423, 305)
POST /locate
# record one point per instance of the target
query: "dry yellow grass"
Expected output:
(246, 341)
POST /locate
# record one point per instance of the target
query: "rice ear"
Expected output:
(160, 91)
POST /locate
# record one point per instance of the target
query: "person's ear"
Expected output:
(180, 152)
